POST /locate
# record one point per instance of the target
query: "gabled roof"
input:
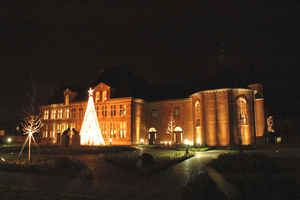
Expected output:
(124, 84)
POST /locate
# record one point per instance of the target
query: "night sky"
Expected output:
(159, 41)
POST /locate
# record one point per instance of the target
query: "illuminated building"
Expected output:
(129, 110)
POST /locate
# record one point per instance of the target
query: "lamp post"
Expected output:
(142, 141)
(198, 141)
(110, 140)
(186, 147)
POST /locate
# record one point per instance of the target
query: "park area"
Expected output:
(152, 173)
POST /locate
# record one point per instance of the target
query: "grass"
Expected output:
(9, 192)
(53, 166)
(180, 147)
(146, 166)
(55, 149)
(247, 176)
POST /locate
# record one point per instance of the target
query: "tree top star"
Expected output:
(91, 92)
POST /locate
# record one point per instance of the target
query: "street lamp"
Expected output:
(142, 141)
(187, 146)
(198, 141)
(110, 140)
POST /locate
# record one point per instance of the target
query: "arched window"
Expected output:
(241, 107)
(198, 113)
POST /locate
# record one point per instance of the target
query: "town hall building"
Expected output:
(220, 112)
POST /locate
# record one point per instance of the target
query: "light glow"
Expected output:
(9, 140)
(90, 131)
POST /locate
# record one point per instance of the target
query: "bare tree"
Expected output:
(32, 122)
(171, 126)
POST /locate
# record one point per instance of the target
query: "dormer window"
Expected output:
(97, 97)
(104, 96)
(67, 100)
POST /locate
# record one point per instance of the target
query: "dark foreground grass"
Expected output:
(247, 176)
(148, 164)
(9, 193)
(50, 166)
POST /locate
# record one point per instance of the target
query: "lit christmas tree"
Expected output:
(90, 130)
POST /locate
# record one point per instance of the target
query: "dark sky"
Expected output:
(159, 41)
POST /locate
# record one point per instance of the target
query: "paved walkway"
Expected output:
(114, 182)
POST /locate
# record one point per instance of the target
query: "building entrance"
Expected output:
(152, 135)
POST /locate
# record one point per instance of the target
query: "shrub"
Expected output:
(147, 160)
(245, 163)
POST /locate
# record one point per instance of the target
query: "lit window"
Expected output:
(241, 111)
(104, 129)
(177, 112)
(46, 114)
(53, 131)
(154, 113)
(122, 129)
(59, 114)
(104, 96)
(97, 96)
(112, 130)
(122, 110)
(67, 113)
(58, 128)
(113, 110)
(46, 131)
(53, 114)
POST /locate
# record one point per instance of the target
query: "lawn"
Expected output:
(247, 176)
(46, 165)
(9, 192)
